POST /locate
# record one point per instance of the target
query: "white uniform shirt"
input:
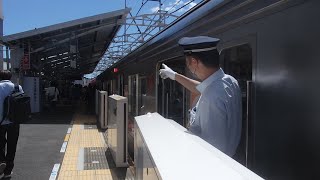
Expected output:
(50, 91)
(6, 88)
(218, 112)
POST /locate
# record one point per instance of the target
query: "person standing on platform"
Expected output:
(216, 118)
(9, 131)
(52, 95)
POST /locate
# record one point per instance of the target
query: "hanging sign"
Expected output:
(25, 62)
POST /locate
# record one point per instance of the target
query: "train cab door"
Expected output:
(171, 102)
(237, 62)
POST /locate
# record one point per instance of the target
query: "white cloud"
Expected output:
(169, 8)
(188, 7)
(173, 5)
(154, 9)
(192, 4)
(182, 10)
(178, 2)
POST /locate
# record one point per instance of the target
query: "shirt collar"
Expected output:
(4, 81)
(213, 77)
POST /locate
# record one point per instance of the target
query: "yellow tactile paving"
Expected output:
(81, 138)
(67, 137)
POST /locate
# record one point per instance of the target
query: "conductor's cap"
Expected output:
(198, 44)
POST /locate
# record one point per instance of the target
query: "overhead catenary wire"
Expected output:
(142, 33)
(137, 13)
(150, 24)
(182, 6)
(177, 2)
(149, 28)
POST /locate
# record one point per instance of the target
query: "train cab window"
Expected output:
(237, 62)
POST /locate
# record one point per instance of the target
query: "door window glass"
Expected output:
(237, 62)
(171, 95)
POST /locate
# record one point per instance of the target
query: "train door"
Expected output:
(133, 82)
(109, 87)
(115, 88)
(133, 94)
(120, 85)
(172, 96)
(104, 86)
(142, 95)
(237, 62)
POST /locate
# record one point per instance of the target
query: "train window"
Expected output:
(104, 86)
(115, 89)
(132, 106)
(146, 94)
(121, 85)
(133, 84)
(142, 95)
(109, 87)
(171, 95)
(237, 61)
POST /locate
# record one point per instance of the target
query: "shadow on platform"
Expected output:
(61, 115)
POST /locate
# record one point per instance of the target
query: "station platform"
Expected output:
(65, 144)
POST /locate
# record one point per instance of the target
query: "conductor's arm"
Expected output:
(188, 83)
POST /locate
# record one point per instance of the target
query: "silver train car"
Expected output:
(271, 47)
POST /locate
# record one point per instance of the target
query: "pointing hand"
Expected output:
(167, 72)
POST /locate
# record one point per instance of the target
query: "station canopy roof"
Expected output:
(70, 49)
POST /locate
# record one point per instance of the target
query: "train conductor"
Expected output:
(216, 118)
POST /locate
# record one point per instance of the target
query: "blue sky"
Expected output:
(23, 15)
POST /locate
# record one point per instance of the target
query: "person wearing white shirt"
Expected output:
(52, 94)
(9, 131)
(217, 116)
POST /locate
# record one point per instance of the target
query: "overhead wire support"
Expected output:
(146, 25)
(183, 6)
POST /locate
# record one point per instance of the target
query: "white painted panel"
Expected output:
(178, 154)
(31, 88)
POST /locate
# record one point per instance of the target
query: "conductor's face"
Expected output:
(192, 64)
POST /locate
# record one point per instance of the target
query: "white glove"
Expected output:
(167, 72)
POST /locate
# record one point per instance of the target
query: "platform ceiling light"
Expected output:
(52, 56)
